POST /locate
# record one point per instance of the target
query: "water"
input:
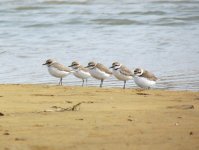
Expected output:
(160, 36)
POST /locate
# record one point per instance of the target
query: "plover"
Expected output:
(99, 71)
(121, 72)
(57, 70)
(144, 78)
(80, 72)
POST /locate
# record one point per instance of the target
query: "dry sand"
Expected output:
(41, 117)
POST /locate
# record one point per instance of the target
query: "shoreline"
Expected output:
(50, 117)
(104, 87)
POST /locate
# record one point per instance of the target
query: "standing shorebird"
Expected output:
(80, 72)
(57, 70)
(99, 71)
(144, 78)
(121, 72)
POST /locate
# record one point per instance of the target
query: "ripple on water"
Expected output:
(65, 2)
(175, 2)
(116, 22)
(23, 8)
(169, 22)
(175, 81)
(3, 52)
(39, 25)
(189, 18)
(143, 13)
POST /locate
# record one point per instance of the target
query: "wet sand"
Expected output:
(42, 117)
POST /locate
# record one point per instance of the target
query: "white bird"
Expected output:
(57, 70)
(99, 71)
(121, 72)
(144, 78)
(80, 72)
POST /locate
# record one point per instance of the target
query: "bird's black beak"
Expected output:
(70, 66)
(86, 66)
(44, 64)
(111, 67)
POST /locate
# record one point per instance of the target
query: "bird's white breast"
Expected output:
(81, 74)
(144, 82)
(57, 73)
(98, 74)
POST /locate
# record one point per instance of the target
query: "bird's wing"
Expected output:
(149, 75)
(125, 71)
(61, 67)
(103, 68)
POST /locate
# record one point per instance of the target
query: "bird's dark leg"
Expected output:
(101, 82)
(86, 81)
(60, 82)
(124, 84)
(82, 82)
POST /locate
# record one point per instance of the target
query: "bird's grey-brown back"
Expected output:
(124, 70)
(103, 68)
(149, 75)
(61, 67)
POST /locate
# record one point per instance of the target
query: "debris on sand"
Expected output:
(6, 133)
(142, 94)
(75, 107)
(68, 102)
(181, 107)
(1, 114)
(79, 119)
(43, 95)
(20, 139)
(129, 119)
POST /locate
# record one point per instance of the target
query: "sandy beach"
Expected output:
(43, 117)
